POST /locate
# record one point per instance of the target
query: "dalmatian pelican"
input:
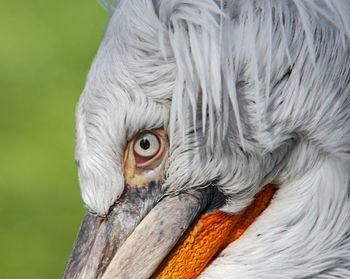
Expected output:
(216, 123)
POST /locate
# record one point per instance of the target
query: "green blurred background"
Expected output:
(46, 49)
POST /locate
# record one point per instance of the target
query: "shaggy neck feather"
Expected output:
(303, 233)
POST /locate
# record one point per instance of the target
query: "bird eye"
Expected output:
(146, 146)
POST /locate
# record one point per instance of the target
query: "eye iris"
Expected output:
(145, 144)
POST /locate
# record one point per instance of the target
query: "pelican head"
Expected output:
(190, 109)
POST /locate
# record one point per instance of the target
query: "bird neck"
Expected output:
(303, 233)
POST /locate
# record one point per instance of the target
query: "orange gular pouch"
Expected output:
(208, 236)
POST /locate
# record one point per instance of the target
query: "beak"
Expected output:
(137, 234)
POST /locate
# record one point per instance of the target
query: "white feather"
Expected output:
(250, 92)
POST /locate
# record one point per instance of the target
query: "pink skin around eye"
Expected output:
(139, 160)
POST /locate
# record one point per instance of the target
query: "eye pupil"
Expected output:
(145, 144)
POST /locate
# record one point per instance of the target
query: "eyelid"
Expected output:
(140, 173)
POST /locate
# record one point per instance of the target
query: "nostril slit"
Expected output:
(100, 221)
